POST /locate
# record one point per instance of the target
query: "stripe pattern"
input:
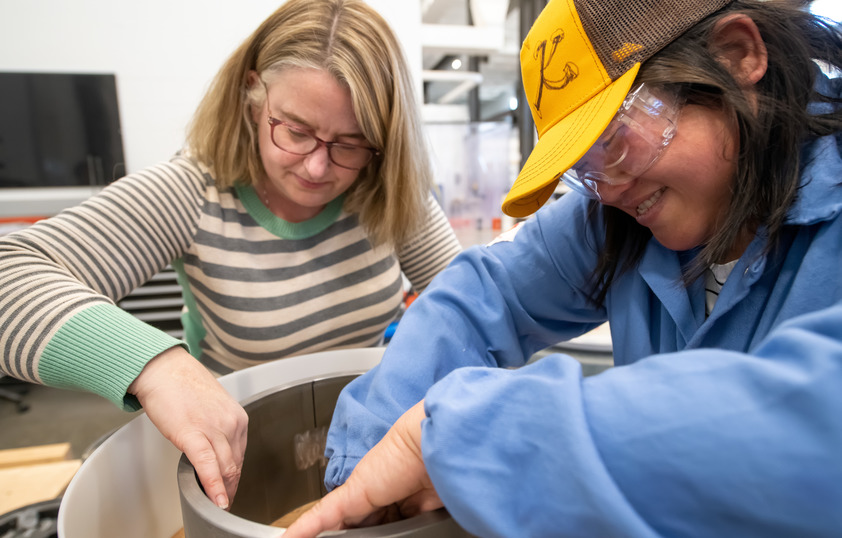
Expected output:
(715, 277)
(253, 296)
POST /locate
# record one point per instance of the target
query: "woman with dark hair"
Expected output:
(702, 143)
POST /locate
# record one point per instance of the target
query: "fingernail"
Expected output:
(222, 501)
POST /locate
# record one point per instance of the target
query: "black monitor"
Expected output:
(59, 130)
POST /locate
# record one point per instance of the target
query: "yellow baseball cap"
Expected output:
(578, 63)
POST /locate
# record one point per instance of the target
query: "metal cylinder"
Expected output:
(280, 473)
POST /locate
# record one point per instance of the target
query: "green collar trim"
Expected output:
(283, 229)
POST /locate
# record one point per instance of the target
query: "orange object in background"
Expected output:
(30, 220)
(13, 224)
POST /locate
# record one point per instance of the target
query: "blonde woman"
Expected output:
(299, 204)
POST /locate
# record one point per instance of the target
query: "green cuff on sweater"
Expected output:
(102, 349)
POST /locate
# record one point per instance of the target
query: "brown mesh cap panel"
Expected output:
(625, 32)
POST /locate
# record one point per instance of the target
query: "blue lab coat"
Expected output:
(727, 425)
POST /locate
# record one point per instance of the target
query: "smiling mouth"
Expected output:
(644, 207)
(312, 184)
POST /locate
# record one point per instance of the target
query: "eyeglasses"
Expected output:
(634, 140)
(293, 139)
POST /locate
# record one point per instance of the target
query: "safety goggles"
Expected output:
(634, 140)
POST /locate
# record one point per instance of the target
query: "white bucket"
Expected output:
(128, 486)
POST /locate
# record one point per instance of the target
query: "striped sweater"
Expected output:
(256, 288)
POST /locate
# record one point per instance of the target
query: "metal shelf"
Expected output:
(158, 303)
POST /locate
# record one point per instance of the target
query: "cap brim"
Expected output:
(562, 145)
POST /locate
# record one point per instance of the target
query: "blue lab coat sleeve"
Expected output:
(699, 443)
(493, 306)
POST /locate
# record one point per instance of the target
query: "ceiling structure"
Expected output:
(489, 31)
(470, 59)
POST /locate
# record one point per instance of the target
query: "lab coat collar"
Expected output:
(819, 197)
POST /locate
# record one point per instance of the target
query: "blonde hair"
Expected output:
(352, 42)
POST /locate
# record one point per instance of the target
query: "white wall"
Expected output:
(827, 8)
(163, 52)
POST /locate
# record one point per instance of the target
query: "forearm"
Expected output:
(101, 349)
(723, 443)
(85, 259)
(438, 334)
(493, 306)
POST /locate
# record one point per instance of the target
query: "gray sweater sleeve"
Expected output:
(430, 250)
(59, 280)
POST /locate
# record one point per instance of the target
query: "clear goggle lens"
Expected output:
(634, 139)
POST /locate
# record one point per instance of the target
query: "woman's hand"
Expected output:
(390, 477)
(191, 409)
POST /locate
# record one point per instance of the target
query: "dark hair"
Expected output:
(771, 135)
